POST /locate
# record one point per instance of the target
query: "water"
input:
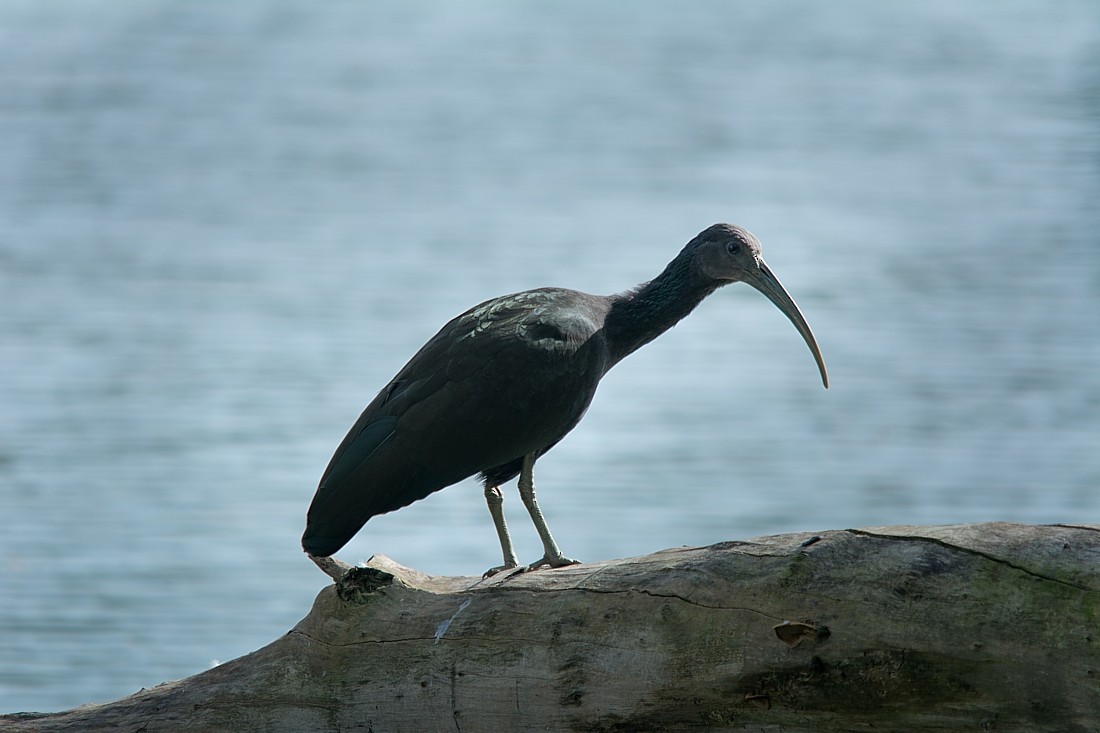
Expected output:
(223, 228)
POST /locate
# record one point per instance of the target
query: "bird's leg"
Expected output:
(553, 557)
(495, 501)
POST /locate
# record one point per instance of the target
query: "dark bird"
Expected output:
(502, 383)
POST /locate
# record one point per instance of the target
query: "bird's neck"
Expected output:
(640, 315)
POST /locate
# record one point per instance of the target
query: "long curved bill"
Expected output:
(767, 283)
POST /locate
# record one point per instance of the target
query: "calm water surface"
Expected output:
(224, 227)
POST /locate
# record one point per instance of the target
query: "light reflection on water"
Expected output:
(225, 228)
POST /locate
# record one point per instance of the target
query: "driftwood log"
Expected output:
(972, 627)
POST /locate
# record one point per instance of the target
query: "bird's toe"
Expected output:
(559, 561)
(498, 569)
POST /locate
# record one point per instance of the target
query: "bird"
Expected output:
(501, 384)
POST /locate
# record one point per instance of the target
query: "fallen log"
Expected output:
(969, 627)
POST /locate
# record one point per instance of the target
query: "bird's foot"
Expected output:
(499, 569)
(548, 561)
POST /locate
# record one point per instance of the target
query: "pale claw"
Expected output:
(499, 568)
(559, 561)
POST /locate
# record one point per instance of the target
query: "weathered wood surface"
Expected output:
(971, 627)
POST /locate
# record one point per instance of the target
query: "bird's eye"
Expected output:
(733, 247)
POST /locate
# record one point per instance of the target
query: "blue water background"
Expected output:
(223, 227)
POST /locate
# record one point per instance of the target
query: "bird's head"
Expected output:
(726, 253)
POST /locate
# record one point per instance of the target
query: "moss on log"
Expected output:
(970, 627)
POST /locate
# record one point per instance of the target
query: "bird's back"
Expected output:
(506, 378)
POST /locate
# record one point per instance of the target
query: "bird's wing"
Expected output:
(496, 382)
(363, 480)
